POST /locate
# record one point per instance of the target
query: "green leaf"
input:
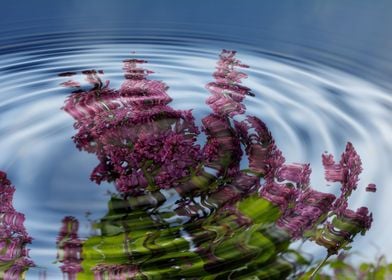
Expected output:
(260, 210)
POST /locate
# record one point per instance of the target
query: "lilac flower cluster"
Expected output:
(227, 93)
(305, 212)
(287, 185)
(144, 145)
(14, 259)
(69, 248)
(346, 172)
(346, 223)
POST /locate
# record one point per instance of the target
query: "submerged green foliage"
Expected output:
(215, 247)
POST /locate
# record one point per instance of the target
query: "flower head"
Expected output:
(227, 93)
(345, 225)
(144, 146)
(13, 235)
(346, 171)
(308, 208)
(69, 248)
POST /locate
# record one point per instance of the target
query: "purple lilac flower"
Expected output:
(18, 268)
(303, 209)
(309, 207)
(227, 93)
(69, 248)
(13, 235)
(345, 225)
(346, 171)
(142, 144)
(264, 157)
(279, 194)
(307, 210)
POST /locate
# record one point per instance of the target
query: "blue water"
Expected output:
(321, 72)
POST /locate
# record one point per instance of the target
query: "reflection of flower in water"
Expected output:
(69, 247)
(14, 260)
(226, 221)
(142, 144)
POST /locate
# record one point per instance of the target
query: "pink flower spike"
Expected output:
(353, 167)
(310, 206)
(69, 248)
(227, 93)
(346, 172)
(333, 172)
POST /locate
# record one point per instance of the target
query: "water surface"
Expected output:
(319, 81)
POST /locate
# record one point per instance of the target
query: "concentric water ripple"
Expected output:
(309, 108)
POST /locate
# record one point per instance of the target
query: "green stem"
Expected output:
(319, 267)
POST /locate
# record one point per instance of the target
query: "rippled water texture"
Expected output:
(308, 106)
